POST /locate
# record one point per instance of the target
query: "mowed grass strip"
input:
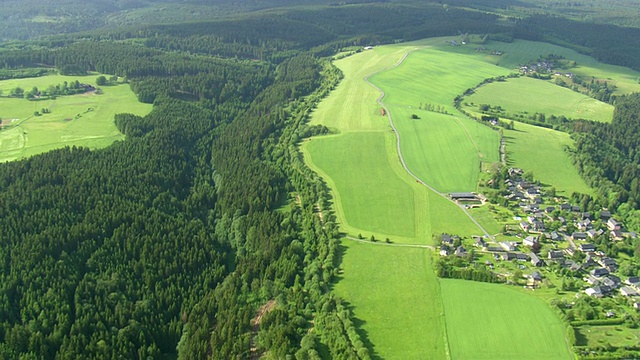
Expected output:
(80, 120)
(533, 95)
(368, 192)
(492, 321)
(528, 144)
(395, 292)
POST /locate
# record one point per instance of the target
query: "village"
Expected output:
(551, 236)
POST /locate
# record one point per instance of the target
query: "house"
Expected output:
(447, 239)
(531, 219)
(535, 260)
(495, 249)
(612, 224)
(507, 246)
(612, 279)
(599, 272)
(536, 276)
(480, 242)
(591, 233)
(524, 225)
(549, 209)
(572, 265)
(605, 215)
(575, 208)
(538, 226)
(368, 47)
(530, 241)
(584, 224)
(586, 215)
(570, 251)
(592, 280)
(587, 247)
(579, 235)
(609, 282)
(636, 305)
(633, 281)
(565, 207)
(444, 250)
(508, 256)
(616, 235)
(628, 291)
(554, 236)
(607, 262)
(532, 193)
(521, 257)
(556, 255)
(595, 291)
(461, 251)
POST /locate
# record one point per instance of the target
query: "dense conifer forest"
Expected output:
(200, 235)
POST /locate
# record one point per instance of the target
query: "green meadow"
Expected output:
(395, 292)
(80, 120)
(525, 94)
(446, 151)
(374, 195)
(527, 144)
(492, 321)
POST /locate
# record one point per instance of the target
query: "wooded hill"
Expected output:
(169, 242)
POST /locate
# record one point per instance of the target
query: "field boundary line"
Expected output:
(395, 130)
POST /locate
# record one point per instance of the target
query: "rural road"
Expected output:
(404, 165)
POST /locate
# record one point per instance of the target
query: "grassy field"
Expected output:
(530, 95)
(490, 321)
(80, 120)
(396, 293)
(446, 151)
(618, 336)
(527, 144)
(358, 192)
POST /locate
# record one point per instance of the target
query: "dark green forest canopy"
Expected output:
(170, 241)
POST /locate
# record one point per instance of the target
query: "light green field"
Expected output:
(618, 336)
(533, 95)
(396, 293)
(358, 191)
(528, 144)
(80, 120)
(492, 321)
(446, 151)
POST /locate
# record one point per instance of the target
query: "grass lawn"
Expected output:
(492, 321)
(527, 144)
(617, 336)
(80, 120)
(395, 292)
(525, 94)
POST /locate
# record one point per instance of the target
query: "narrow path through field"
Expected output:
(404, 165)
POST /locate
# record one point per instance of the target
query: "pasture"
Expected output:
(80, 120)
(528, 95)
(395, 293)
(493, 321)
(357, 166)
(446, 151)
(527, 144)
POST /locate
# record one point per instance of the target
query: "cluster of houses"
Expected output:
(570, 225)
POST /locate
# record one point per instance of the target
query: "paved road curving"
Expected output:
(404, 165)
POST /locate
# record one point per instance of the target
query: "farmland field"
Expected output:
(396, 293)
(80, 120)
(530, 95)
(527, 144)
(446, 151)
(491, 321)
